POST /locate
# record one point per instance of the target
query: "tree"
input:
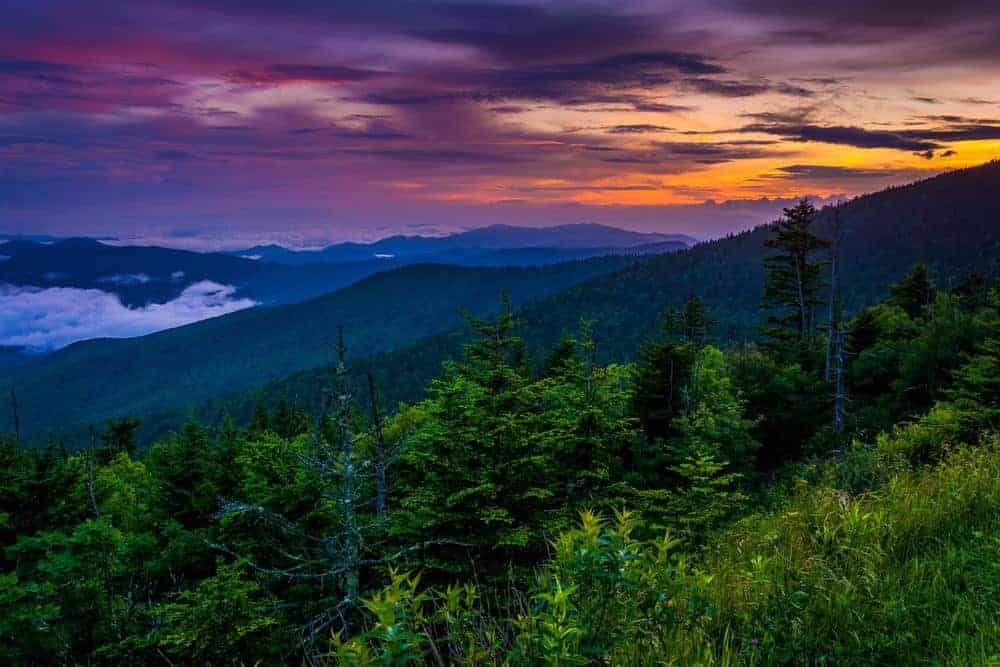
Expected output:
(794, 280)
(469, 474)
(835, 366)
(318, 505)
(977, 382)
(714, 447)
(222, 620)
(914, 293)
(695, 320)
(660, 376)
(119, 438)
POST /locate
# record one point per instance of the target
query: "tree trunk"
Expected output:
(381, 454)
(352, 541)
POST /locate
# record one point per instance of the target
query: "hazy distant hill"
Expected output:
(479, 246)
(166, 371)
(149, 274)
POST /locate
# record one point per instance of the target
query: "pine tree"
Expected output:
(792, 289)
(468, 471)
(713, 444)
(493, 357)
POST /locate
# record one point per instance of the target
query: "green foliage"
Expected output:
(219, 622)
(496, 462)
(977, 386)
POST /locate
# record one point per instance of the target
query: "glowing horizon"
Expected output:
(320, 121)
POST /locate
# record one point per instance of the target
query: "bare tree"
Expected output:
(835, 370)
(351, 546)
(383, 452)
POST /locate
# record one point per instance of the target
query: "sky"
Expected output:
(222, 123)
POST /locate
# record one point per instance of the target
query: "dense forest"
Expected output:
(825, 491)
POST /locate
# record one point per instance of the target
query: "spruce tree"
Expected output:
(915, 292)
(792, 288)
(977, 382)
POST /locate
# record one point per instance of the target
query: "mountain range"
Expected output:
(140, 275)
(487, 246)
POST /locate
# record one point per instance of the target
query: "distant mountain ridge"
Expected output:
(151, 274)
(582, 239)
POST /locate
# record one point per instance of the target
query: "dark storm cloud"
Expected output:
(869, 13)
(523, 33)
(714, 153)
(727, 88)
(846, 135)
(639, 128)
(957, 132)
(924, 142)
(441, 156)
(814, 172)
(672, 157)
(320, 73)
(39, 69)
(622, 79)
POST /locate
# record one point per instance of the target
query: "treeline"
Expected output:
(828, 496)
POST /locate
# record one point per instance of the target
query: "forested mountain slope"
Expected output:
(172, 370)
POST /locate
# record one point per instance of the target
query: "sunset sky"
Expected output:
(224, 122)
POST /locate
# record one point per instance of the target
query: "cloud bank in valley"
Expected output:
(43, 319)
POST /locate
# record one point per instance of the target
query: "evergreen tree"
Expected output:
(792, 288)
(915, 292)
(660, 382)
(561, 357)
(119, 438)
(977, 382)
